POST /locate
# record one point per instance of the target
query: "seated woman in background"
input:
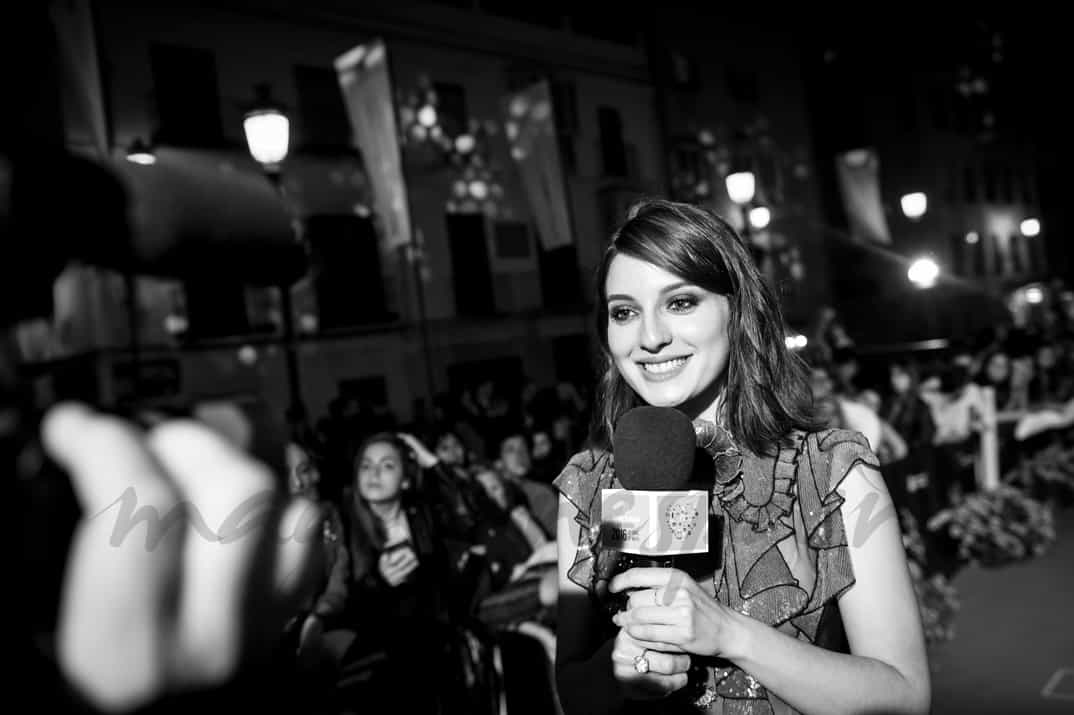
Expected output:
(388, 600)
(519, 581)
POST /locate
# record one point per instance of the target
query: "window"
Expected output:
(323, 116)
(346, 270)
(451, 107)
(612, 147)
(512, 239)
(565, 106)
(472, 276)
(187, 96)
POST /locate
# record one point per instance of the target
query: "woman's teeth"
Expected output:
(662, 367)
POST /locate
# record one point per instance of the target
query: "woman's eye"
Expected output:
(682, 304)
(621, 314)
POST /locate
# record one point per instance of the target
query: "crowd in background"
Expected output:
(458, 558)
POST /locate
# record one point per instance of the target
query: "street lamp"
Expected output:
(923, 272)
(140, 153)
(760, 217)
(268, 134)
(1030, 227)
(267, 129)
(914, 205)
(741, 185)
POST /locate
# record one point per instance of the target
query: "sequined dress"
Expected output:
(784, 552)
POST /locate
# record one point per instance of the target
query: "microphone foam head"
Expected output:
(654, 449)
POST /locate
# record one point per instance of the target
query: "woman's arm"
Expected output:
(888, 669)
(529, 527)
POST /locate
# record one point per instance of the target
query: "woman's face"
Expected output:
(492, 484)
(900, 380)
(380, 473)
(302, 472)
(449, 450)
(542, 445)
(668, 338)
(998, 368)
(1046, 357)
(515, 455)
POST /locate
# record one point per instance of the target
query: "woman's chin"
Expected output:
(663, 397)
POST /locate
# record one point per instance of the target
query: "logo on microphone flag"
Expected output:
(655, 523)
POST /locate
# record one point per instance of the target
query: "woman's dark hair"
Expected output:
(367, 535)
(766, 394)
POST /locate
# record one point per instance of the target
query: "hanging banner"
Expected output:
(85, 126)
(531, 134)
(366, 83)
(858, 173)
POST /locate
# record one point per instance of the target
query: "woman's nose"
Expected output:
(655, 334)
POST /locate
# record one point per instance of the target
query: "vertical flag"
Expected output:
(531, 133)
(84, 115)
(366, 83)
(858, 173)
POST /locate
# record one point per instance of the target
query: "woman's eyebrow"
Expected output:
(666, 289)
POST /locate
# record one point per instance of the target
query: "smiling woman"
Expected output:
(809, 607)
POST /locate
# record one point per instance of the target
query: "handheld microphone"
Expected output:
(660, 518)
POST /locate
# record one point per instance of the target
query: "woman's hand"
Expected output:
(424, 456)
(396, 564)
(668, 611)
(646, 674)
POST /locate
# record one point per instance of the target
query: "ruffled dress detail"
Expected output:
(791, 494)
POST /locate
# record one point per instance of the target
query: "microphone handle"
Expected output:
(628, 561)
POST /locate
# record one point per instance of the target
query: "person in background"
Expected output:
(389, 597)
(516, 465)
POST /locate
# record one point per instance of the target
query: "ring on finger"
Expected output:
(641, 663)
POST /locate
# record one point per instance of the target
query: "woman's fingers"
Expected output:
(660, 663)
(123, 562)
(652, 615)
(233, 496)
(669, 581)
(658, 633)
(657, 597)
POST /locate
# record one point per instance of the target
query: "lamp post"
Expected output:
(268, 134)
(741, 187)
(923, 271)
